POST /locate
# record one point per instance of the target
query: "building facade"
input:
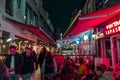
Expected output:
(14, 15)
(95, 5)
(107, 46)
(93, 18)
(105, 4)
(89, 7)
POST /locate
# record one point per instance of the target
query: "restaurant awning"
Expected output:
(33, 29)
(92, 20)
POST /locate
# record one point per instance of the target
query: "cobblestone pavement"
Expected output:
(37, 74)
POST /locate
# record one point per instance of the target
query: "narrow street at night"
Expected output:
(59, 39)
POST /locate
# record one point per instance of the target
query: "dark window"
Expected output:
(36, 19)
(41, 20)
(18, 3)
(29, 14)
(9, 7)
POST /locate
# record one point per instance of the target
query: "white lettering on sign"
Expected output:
(113, 28)
(114, 24)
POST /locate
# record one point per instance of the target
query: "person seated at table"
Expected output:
(68, 67)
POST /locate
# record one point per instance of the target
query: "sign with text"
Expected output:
(112, 28)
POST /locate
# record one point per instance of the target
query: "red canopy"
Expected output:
(33, 29)
(91, 20)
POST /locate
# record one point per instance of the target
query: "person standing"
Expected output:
(82, 70)
(14, 63)
(41, 59)
(49, 67)
(28, 67)
(4, 75)
(41, 56)
(34, 55)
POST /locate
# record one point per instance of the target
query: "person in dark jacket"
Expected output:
(49, 67)
(99, 74)
(4, 74)
(14, 63)
(41, 56)
(28, 67)
(34, 58)
(68, 67)
(41, 59)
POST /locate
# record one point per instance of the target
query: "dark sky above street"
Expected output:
(60, 11)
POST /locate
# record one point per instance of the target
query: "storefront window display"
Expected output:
(87, 44)
(88, 48)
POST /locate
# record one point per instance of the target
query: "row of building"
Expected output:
(94, 31)
(24, 23)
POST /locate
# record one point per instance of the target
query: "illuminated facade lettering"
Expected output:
(112, 28)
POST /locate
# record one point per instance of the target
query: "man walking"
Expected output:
(14, 63)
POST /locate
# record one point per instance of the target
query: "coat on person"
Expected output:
(14, 62)
(49, 66)
(102, 74)
(28, 66)
(106, 76)
(18, 62)
(41, 56)
(4, 74)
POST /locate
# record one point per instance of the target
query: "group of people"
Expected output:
(23, 65)
(76, 69)
(20, 65)
(84, 71)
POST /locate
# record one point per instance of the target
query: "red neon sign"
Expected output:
(112, 28)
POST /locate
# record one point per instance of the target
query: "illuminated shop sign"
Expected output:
(112, 28)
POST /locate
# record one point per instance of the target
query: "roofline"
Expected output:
(47, 35)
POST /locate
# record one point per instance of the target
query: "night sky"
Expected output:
(60, 11)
